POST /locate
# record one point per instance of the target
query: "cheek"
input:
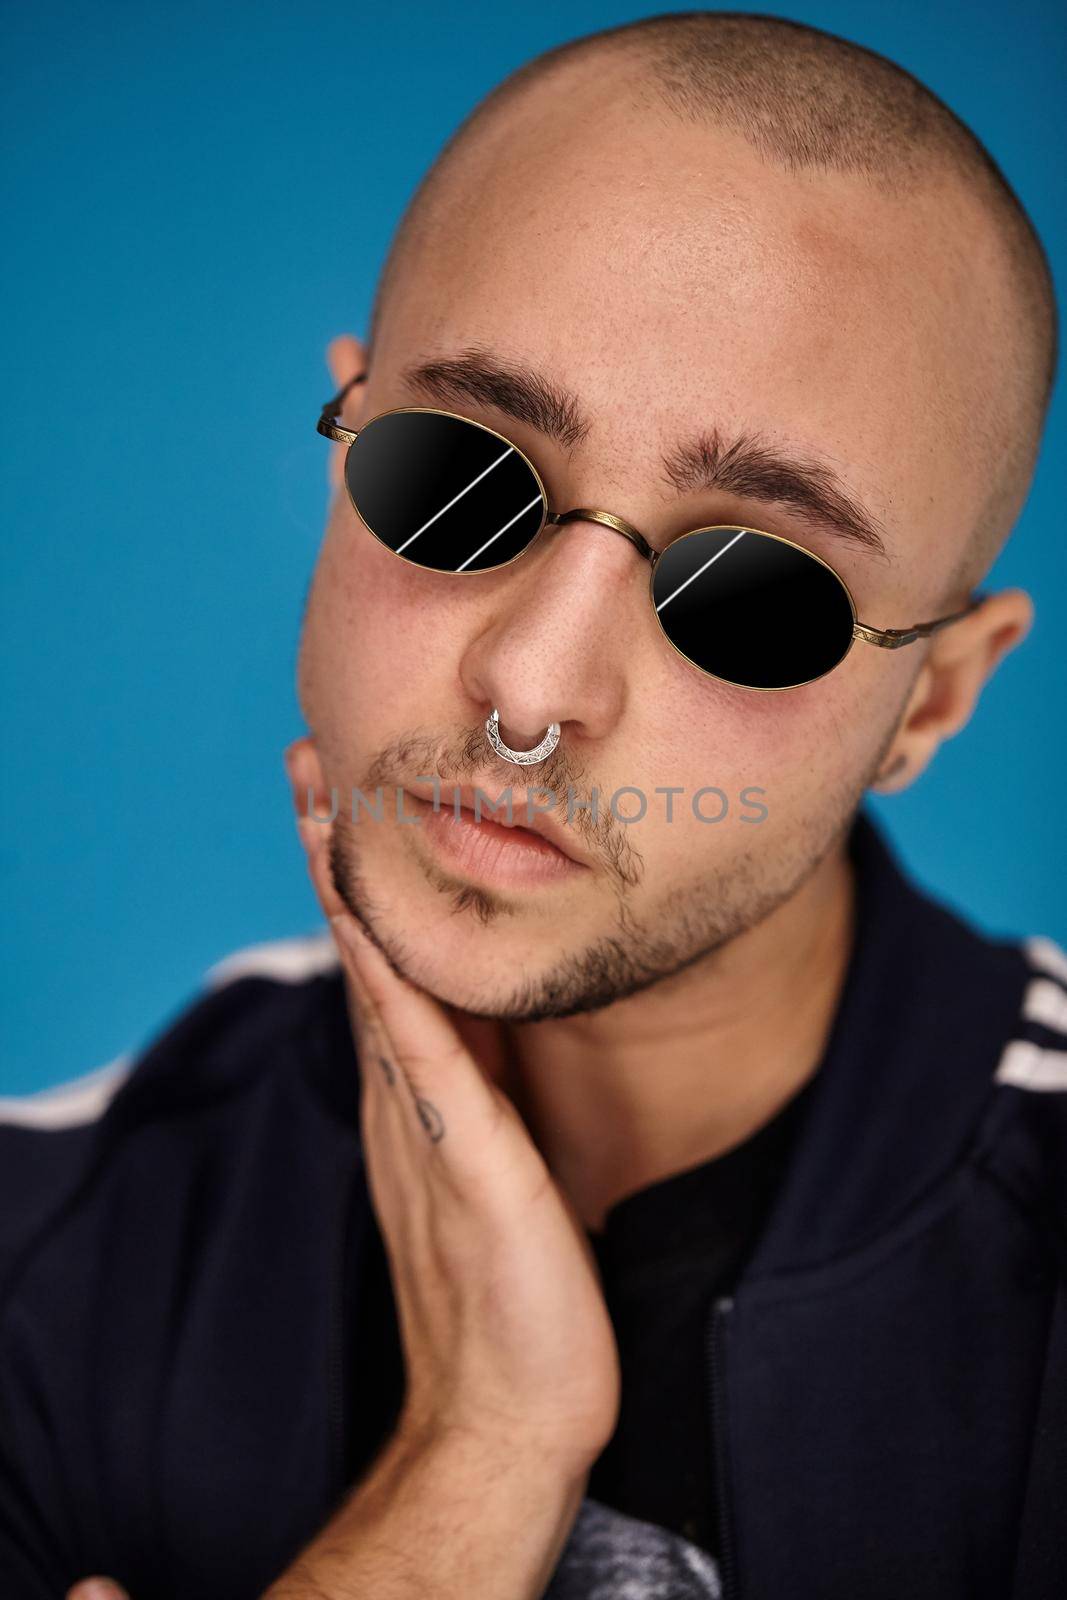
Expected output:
(795, 744)
(819, 743)
(374, 628)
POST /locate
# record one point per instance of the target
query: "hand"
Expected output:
(97, 1589)
(504, 1327)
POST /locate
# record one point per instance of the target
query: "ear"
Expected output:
(345, 357)
(960, 660)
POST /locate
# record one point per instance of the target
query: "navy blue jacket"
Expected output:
(197, 1355)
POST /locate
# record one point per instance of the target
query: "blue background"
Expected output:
(198, 199)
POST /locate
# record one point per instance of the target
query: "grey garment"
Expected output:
(610, 1556)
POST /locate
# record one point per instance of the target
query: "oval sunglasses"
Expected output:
(753, 609)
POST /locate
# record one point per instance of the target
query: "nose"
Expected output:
(559, 642)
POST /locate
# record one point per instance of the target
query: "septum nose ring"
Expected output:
(521, 758)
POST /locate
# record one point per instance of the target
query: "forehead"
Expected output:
(669, 276)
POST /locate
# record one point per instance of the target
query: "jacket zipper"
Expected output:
(717, 1341)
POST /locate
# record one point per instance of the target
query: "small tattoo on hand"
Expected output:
(430, 1118)
(388, 1069)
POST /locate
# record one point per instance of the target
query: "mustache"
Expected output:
(467, 758)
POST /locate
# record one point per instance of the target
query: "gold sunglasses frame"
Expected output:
(887, 638)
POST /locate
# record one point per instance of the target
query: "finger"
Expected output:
(384, 1118)
(97, 1589)
(382, 1078)
(382, 1082)
(371, 1036)
(417, 1036)
(391, 1106)
(369, 1027)
(444, 1079)
(371, 1051)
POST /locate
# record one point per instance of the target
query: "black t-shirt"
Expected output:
(665, 1253)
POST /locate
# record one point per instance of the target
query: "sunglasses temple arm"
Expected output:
(327, 423)
(893, 638)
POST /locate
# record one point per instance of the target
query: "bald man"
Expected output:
(644, 1189)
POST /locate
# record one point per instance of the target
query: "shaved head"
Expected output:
(808, 102)
(703, 270)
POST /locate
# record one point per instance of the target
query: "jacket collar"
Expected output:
(907, 1071)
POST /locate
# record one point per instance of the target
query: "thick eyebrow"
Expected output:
(744, 465)
(514, 389)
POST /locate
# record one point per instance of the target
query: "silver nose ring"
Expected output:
(521, 758)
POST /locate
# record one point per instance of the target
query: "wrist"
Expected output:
(504, 1444)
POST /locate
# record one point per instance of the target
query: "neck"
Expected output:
(685, 1070)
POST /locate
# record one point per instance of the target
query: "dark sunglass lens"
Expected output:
(443, 492)
(750, 608)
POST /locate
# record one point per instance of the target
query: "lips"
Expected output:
(544, 824)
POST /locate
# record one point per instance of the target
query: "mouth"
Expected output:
(489, 847)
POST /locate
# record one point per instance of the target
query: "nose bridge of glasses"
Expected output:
(607, 519)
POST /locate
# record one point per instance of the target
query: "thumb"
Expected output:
(97, 1589)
